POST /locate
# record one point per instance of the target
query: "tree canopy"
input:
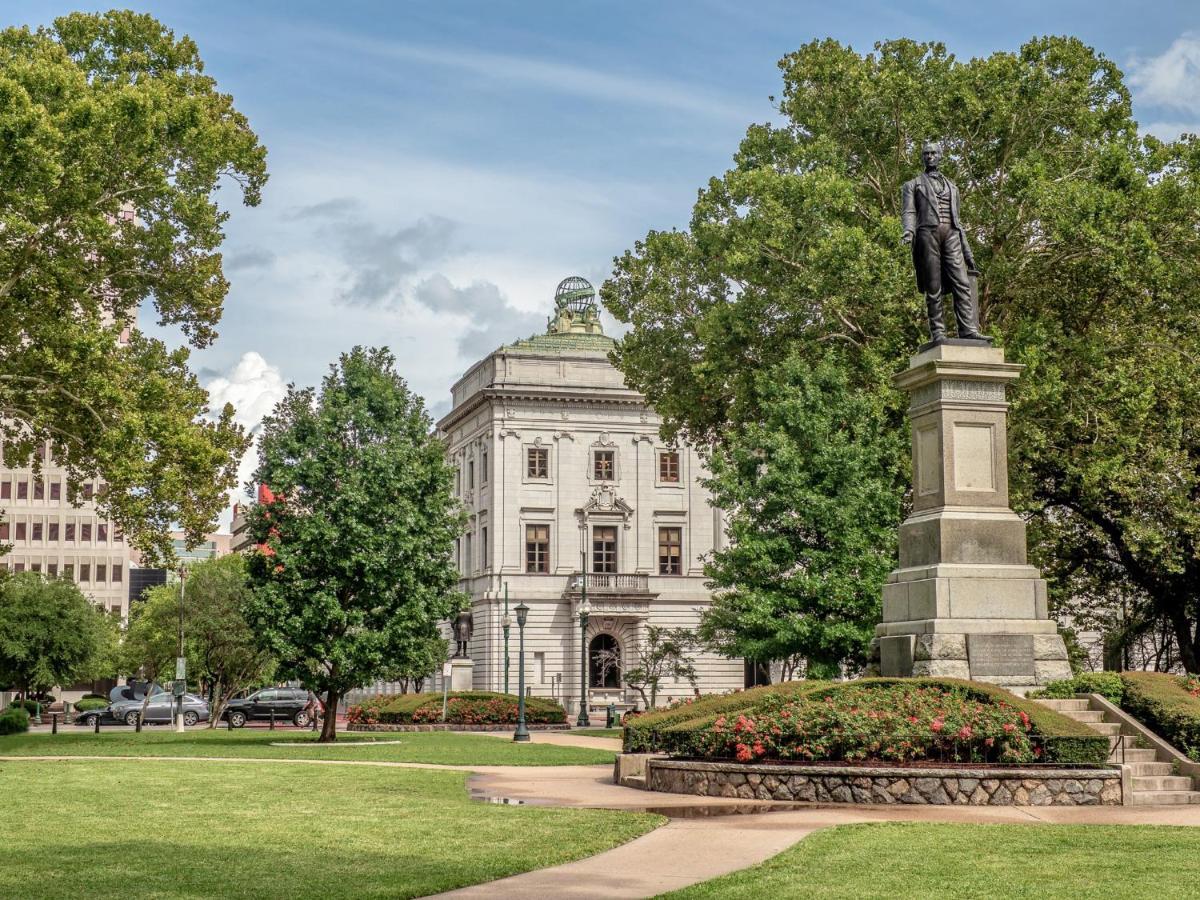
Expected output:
(356, 565)
(1085, 232)
(115, 142)
(50, 634)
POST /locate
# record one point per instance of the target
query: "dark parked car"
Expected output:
(160, 710)
(287, 705)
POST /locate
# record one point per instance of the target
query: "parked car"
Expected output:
(287, 704)
(160, 710)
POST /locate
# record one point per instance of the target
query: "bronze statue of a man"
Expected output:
(941, 254)
(464, 624)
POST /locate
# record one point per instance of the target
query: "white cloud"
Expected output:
(1171, 79)
(253, 386)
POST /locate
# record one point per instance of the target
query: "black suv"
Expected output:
(287, 704)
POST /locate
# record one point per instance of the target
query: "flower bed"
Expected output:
(466, 708)
(886, 720)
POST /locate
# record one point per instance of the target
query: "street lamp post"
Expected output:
(583, 721)
(521, 735)
(506, 621)
(179, 662)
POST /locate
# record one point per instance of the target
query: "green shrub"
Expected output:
(684, 733)
(87, 704)
(14, 720)
(1169, 705)
(94, 697)
(462, 708)
(1107, 684)
(30, 706)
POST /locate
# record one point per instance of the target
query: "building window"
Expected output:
(3, 531)
(71, 532)
(117, 573)
(668, 466)
(537, 462)
(88, 490)
(52, 569)
(56, 490)
(6, 490)
(604, 549)
(20, 531)
(101, 572)
(604, 662)
(537, 548)
(39, 489)
(85, 572)
(457, 482)
(102, 533)
(458, 553)
(53, 531)
(85, 533)
(670, 551)
(69, 571)
(471, 475)
(483, 468)
(469, 560)
(35, 567)
(22, 490)
(37, 531)
(483, 548)
(604, 465)
(19, 567)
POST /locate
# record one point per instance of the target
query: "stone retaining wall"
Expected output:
(438, 726)
(982, 786)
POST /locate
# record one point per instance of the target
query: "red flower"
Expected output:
(964, 732)
(1009, 727)
(937, 724)
(743, 753)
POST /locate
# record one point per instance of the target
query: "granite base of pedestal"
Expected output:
(462, 674)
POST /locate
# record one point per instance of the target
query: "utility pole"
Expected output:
(181, 660)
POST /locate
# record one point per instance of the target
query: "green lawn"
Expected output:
(599, 732)
(118, 829)
(422, 747)
(921, 861)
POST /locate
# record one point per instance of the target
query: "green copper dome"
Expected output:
(575, 324)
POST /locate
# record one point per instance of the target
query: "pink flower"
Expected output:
(743, 753)
(937, 724)
(1009, 727)
(964, 732)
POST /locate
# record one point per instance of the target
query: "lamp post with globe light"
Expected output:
(583, 721)
(521, 735)
(506, 623)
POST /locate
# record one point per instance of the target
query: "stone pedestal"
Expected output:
(964, 602)
(462, 674)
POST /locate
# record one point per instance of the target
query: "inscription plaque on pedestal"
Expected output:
(1000, 654)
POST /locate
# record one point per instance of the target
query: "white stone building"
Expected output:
(557, 457)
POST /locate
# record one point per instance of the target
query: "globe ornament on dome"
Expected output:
(575, 308)
(576, 294)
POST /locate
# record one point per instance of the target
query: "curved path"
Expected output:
(705, 836)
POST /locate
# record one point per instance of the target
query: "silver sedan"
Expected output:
(161, 709)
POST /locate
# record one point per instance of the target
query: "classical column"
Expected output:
(964, 601)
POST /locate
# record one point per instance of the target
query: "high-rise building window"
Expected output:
(101, 572)
(53, 531)
(457, 482)
(5, 490)
(71, 532)
(537, 462)
(39, 489)
(85, 533)
(483, 548)
(56, 490)
(604, 465)
(670, 551)
(537, 548)
(668, 466)
(102, 533)
(85, 572)
(471, 475)
(468, 557)
(604, 549)
(36, 528)
(483, 467)
(3, 531)
(20, 531)
(22, 489)
(117, 573)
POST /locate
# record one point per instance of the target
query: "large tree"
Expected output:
(1086, 235)
(50, 634)
(355, 567)
(114, 142)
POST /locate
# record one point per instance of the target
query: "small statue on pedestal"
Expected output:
(464, 625)
(941, 255)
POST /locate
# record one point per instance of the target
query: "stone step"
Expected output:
(1165, 798)
(1105, 727)
(1137, 754)
(1064, 705)
(637, 782)
(1085, 715)
(1162, 783)
(1145, 769)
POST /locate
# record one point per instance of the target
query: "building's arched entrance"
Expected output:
(604, 662)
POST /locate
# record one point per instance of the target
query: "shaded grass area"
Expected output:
(919, 861)
(599, 732)
(118, 829)
(421, 747)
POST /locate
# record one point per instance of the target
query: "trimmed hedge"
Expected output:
(1167, 706)
(1107, 684)
(87, 704)
(14, 720)
(30, 706)
(681, 732)
(462, 708)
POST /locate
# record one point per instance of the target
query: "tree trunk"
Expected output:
(329, 727)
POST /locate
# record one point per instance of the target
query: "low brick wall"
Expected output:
(451, 727)
(982, 786)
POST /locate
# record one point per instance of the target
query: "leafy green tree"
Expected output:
(50, 634)
(356, 566)
(1085, 233)
(114, 142)
(661, 654)
(425, 658)
(813, 496)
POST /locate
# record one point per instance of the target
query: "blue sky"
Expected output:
(437, 168)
